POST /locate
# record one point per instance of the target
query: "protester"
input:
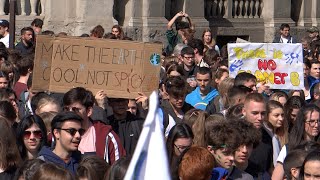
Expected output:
(310, 166)
(98, 137)
(125, 124)
(92, 167)
(204, 93)
(285, 36)
(196, 163)
(52, 171)
(67, 132)
(179, 139)
(4, 32)
(26, 45)
(31, 136)
(9, 153)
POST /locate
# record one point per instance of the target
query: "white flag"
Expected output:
(150, 160)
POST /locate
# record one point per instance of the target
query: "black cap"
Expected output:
(4, 23)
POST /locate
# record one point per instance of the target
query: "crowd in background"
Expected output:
(215, 126)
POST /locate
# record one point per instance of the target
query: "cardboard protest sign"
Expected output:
(120, 68)
(42, 63)
(278, 65)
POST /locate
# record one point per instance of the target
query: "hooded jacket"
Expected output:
(47, 155)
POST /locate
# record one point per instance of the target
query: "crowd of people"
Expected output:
(215, 126)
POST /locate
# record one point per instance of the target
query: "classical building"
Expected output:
(253, 20)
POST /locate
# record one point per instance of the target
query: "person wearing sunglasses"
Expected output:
(67, 131)
(99, 138)
(31, 136)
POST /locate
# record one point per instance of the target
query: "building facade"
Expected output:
(146, 20)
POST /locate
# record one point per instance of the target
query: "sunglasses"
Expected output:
(73, 131)
(36, 134)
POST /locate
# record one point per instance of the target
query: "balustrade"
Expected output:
(247, 8)
(37, 7)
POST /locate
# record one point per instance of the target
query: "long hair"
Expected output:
(121, 33)
(294, 102)
(9, 155)
(180, 130)
(297, 134)
(26, 123)
(312, 156)
(281, 132)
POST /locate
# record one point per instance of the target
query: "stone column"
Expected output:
(33, 6)
(146, 23)
(2, 3)
(196, 12)
(153, 18)
(23, 7)
(43, 7)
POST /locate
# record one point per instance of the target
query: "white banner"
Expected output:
(278, 65)
(149, 160)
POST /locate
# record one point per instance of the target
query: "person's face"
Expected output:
(37, 30)
(315, 70)
(3, 31)
(27, 37)
(3, 82)
(177, 102)
(66, 140)
(251, 84)
(224, 75)
(119, 106)
(313, 34)
(223, 157)
(13, 101)
(32, 138)
(293, 114)
(132, 107)
(254, 112)
(276, 117)
(311, 170)
(51, 107)
(203, 81)
(285, 32)
(181, 144)
(243, 153)
(207, 37)
(311, 126)
(188, 60)
(80, 110)
(305, 45)
(306, 71)
(115, 31)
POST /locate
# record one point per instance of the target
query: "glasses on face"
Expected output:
(313, 122)
(181, 148)
(36, 134)
(73, 131)
(74, 109)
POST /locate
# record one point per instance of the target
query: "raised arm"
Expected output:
(171, 22)
(189, 20)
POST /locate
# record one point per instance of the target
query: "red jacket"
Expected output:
(108, 144)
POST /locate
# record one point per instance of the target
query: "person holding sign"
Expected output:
(98, 137)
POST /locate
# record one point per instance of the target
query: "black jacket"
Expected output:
(128, 129)
(261, 158)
